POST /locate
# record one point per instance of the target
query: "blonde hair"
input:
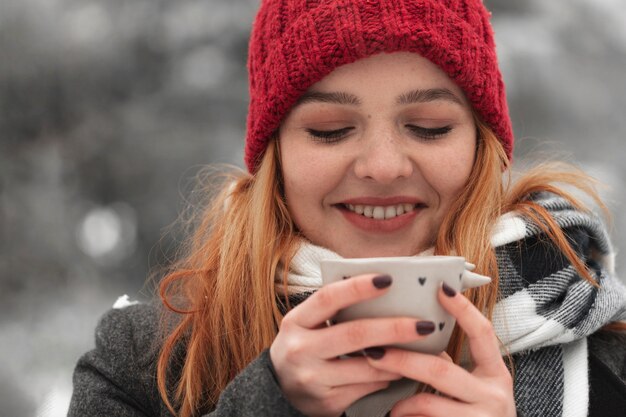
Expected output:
(223, 288)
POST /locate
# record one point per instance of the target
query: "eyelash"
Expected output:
(334, 136)
(429, 133)
(328, 136)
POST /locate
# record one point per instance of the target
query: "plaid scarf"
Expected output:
(544, 314)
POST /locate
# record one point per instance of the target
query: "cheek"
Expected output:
(309, 175)
(295, 186)
(297, 169)
(293, 164)
(450, 172)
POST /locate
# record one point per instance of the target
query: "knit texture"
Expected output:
(295, 43)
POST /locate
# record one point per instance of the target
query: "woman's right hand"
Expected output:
(305, 352)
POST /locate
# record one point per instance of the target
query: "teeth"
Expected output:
(390, 212)
(381, 212)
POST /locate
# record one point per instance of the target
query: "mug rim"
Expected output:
(394, 259)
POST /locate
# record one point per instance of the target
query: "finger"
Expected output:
(430, 405)
(327, 301)
(342, 372)
(356, 335)
(483, 343)
(348, 394)
(444, 355)
(441, 374)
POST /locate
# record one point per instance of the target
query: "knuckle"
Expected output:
(288, 321)
(294, 348)
(356, 333)
(305, 378)
(356, 289)
(402, 360)
(325, 297)
(398, 329)
(423, 403)
(481, 329)
(485, 329)
(498, 395)
(466, 307)
(377, 375)
(438, 369)
(386, 376)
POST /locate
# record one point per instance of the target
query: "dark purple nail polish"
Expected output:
(447, 290)
(374, 352)
(424, 327)
(382, 281)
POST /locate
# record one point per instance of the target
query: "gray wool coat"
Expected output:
(118, 377)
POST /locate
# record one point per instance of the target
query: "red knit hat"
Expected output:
(295, 43)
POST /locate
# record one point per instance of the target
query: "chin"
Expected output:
(380, 252)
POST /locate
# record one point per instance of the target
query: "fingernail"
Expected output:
(447, 290)
(374, 352)
(382, 281)
(424, 327)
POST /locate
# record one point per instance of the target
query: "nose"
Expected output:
(383, 159)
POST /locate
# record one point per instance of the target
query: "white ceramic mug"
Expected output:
(413, 293)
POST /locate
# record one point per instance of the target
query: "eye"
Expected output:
(429, 133)
(328, 136)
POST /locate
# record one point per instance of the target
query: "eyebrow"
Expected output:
(428, 95)
(336, 98)
(410, 97)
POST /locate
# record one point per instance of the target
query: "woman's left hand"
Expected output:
(485, 391)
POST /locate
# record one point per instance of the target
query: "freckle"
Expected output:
(369, 116)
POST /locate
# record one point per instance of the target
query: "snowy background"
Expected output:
(109, 108)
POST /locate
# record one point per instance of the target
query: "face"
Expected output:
(374, 155)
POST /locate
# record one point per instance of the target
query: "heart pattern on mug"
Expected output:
(422, 280)
(441, 325)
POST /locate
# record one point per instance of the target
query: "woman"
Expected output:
(375, 128)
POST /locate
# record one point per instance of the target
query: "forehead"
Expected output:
(408, 76)
(390, 66)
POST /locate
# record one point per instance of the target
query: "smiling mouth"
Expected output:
(382, 212)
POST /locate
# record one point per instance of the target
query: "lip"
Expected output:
(378, 226)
